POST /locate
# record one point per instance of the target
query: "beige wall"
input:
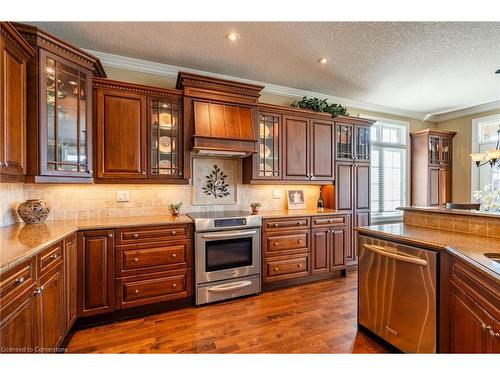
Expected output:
(462, 145)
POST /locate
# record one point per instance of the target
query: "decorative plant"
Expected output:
(321, 105)
(175, 208)
(255, 206)
(489, 198)
(215, 184)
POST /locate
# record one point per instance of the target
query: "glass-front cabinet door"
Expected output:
(65, 118)
(344, 138)
(165, 149)
(434, 147)
(362, 143)
(269, 146)
(446, 155)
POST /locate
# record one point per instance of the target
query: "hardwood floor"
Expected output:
(313, 318)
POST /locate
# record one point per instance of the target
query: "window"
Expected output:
(484, 138)
(388, 169)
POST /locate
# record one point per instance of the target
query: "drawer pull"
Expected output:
(275, 244)
(300, 241)
(135, 235)
(38, 290)
(299, 265)
(174, 255)
(174, 233)
(136, 259)
(276, 225)
(110, 235)
(136, 291)
(19, 280)
(174, 286)
(299, 223)
(54, 256)
(275, 268)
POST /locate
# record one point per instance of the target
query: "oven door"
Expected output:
(227, 254)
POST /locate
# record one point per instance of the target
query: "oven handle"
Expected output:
(381, 250)
(227, 235)
(231, 286)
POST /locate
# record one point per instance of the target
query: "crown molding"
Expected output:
(465, 111)
(130, 63)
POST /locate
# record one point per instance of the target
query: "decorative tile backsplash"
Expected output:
(99, 200)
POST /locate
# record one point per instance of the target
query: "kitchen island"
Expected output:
(467, 280)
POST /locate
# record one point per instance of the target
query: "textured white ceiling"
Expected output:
(424, 67)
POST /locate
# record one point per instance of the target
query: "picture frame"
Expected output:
(296, 199)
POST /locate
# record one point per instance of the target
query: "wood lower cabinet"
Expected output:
(14, 54)
(474, 311)
(50, 302)
(96, 292)
(70, 279)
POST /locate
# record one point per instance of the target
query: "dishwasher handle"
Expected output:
(405, 258)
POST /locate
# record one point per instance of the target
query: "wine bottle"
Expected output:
(321, 203)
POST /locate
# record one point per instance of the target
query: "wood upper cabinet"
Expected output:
(322, 150)
(431, 167)
(14, 54)
(59, 127)
(138, 134)
(95, 272)
(296, 156)
(121, 134)
(70, 279)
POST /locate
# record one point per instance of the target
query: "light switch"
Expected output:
(122, 196)
(276, 194)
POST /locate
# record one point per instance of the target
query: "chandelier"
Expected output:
(491, 157)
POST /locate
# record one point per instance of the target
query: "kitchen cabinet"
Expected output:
(431, 167)
(138, 134)
(294, 145)
(14, 54)
(330, 243)
(96, 293)
(70, 279)
(474, 311)
(59, 109)
(352, 174)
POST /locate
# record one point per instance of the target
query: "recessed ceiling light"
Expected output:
(232, 36)
(322, 60)
(498, 71)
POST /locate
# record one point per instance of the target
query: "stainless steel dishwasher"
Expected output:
(397, 293)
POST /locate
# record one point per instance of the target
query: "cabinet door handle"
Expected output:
(1, 163)
(143, 172)
(110, 235)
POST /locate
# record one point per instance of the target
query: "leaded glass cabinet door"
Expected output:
(269, 146)
(165, 151)
(344, 142)
(362, 143)
(434, 150)
(64, 118)
(446, 152)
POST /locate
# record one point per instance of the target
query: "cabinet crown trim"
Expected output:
(104, 83)
(11, 34)
(194, 80)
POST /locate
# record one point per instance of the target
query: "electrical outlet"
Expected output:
(122, 196)
(276, 194)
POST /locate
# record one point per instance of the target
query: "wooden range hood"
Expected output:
(220, 116)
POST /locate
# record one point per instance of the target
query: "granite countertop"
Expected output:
(468, 247)
(299, 213)
(442, 210)
(20, 241)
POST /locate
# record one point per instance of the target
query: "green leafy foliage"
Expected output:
(321, 105)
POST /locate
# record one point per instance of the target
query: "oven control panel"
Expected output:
(232, 222)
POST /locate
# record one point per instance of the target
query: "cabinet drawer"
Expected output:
(49, 257)
(127, 236)
(328, 221)
(286, 268)
(284, 224)
(17, 279)
(286, 243)
(143, 290)
(161, 256)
